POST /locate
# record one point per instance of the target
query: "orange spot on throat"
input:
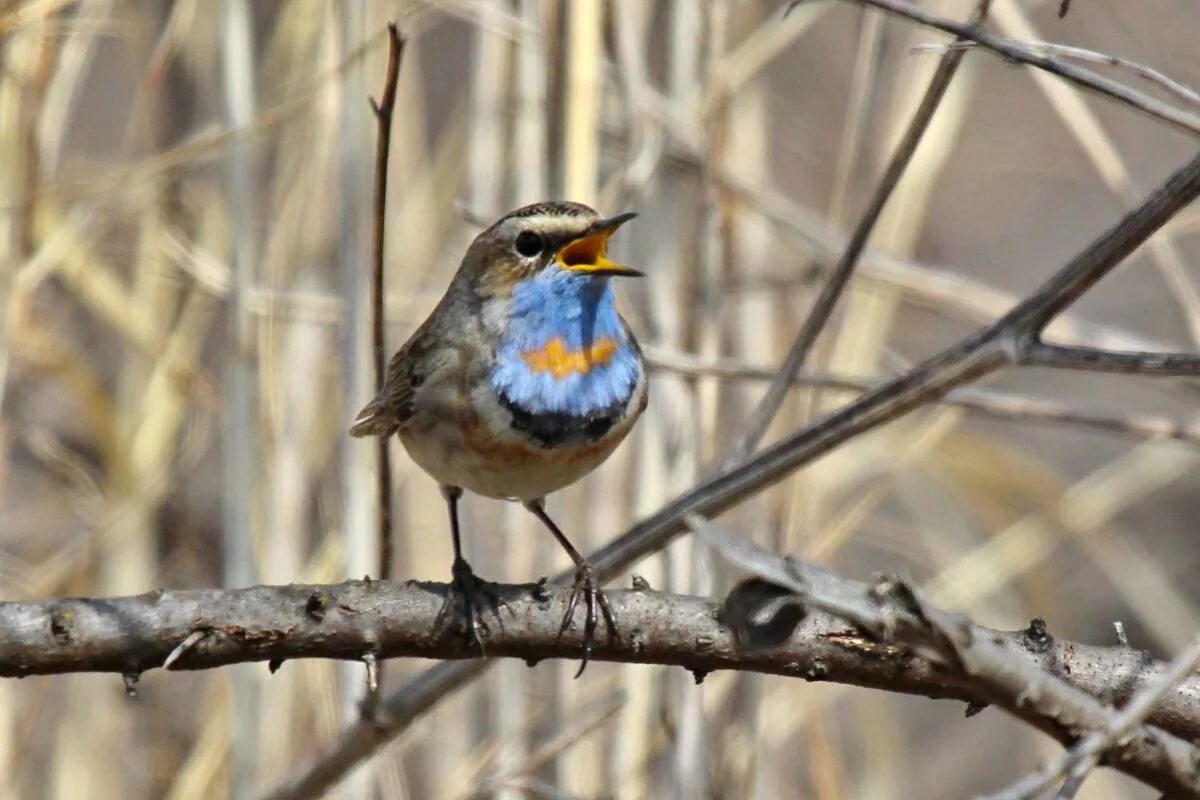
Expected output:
(555, 358)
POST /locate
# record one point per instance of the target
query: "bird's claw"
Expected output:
(469, 587)
(585, 585)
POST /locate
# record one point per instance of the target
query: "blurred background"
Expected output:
(185, 237)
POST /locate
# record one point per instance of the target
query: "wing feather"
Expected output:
(391, 409)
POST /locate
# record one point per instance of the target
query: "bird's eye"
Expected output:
(529, 243)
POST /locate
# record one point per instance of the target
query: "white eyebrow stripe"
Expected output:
(550, 224)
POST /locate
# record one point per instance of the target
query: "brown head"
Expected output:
(530, 239)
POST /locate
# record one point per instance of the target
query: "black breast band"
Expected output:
(550, 429)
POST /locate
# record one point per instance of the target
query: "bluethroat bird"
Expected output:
(523, 379)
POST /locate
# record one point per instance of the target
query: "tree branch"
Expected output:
(893, 613)
(130, 635)
(1163, 81)
(1040, 354)
(1084, 755)
(1020, 52)
(383, 146)
(999, 405)
(839, 279)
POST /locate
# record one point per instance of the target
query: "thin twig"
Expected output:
(241, 432)
(578, 729)
(1000, 405)
(191, 641)
(1039, 354)
(369, 703)
(1076, 763)
(383, 146)
(832, 291)
(1020, 52)
(1164, 81)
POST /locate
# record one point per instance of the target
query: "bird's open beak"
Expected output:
(586, 254)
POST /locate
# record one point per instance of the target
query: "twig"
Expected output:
(1038, 354)
(1020, 52)
(1000, 405)
(986, 351)
(372, 672)
(370, 700)
(892, 613)
(1075, 764)
(832, 291)
(564, 740)
(386, 620)
(191, 641)
(1050, 49)
(940, 289)
(240, 422)
(383, 138)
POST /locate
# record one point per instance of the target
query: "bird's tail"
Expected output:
(375, 419)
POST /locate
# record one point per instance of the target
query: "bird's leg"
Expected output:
(465, 582)
(585, 584)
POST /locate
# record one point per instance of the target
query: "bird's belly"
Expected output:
(475, 446)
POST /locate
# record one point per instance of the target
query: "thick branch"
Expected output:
(892, 612)
(130, 635)
(351, 620)
(1083, 756)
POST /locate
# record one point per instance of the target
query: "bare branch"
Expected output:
(893, 613)
(1020, 52)
(1000, 405)
(383, 145)
(832, 291)
(1039, 354)
(365, 620)
(1083, 757)
(1178, 88)
(571, 734)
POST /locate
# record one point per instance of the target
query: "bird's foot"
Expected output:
(471, 589)
(593, 598)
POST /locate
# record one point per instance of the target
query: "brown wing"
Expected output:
(393, 406)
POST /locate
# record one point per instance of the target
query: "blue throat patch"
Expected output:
(565, 351)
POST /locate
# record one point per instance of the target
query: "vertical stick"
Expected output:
(581, 112)
(360, 505)
(240, 429)
(383, 120)
(579, 770)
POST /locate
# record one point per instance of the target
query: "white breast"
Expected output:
(469, 441)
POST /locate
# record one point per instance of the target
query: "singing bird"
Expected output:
(523, 379)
